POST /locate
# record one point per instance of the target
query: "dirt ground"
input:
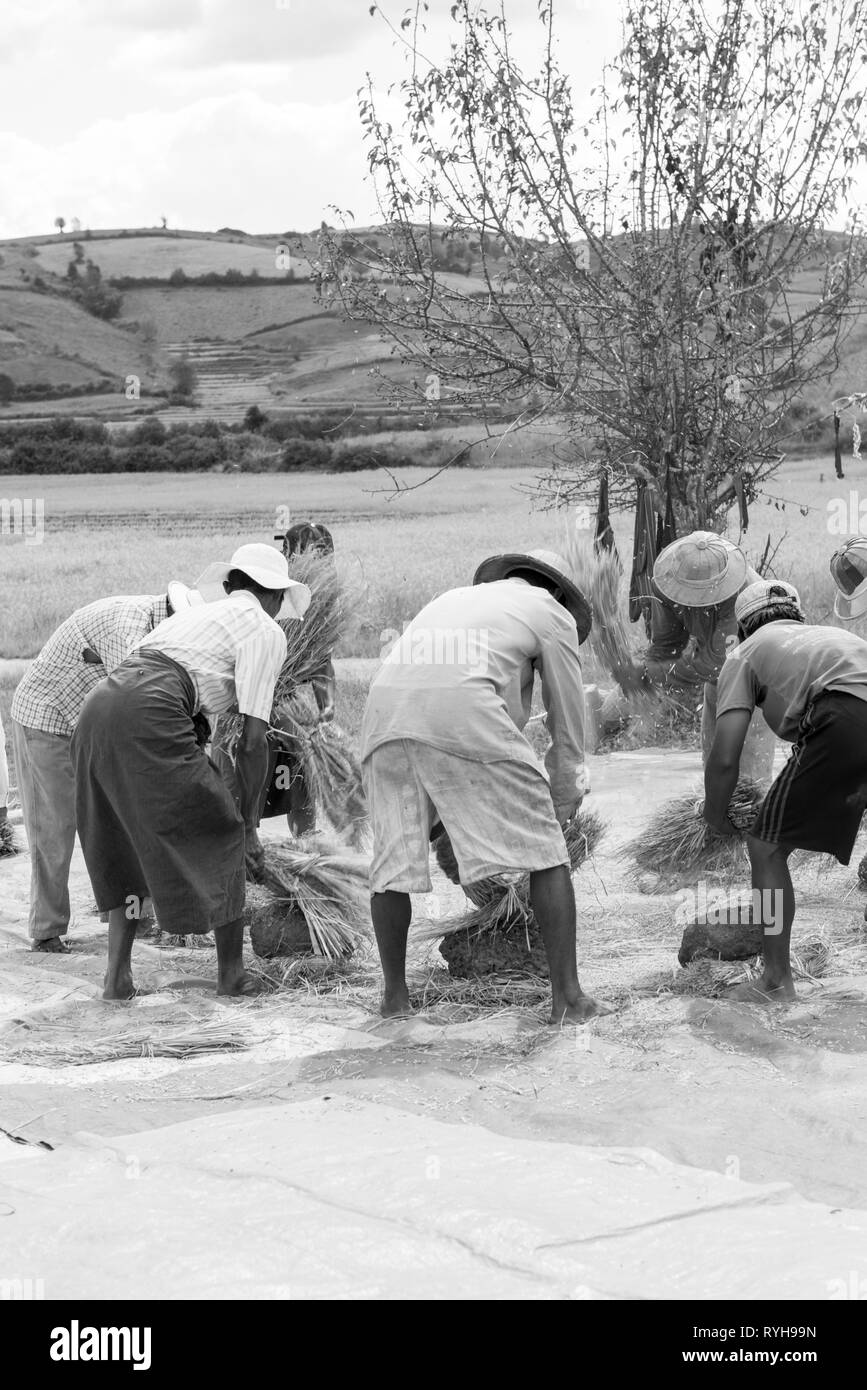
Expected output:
(753, 1096)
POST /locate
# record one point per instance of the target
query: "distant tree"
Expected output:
(96, 297)
(72, 271)
(182, 374)
(76, 225)
(78, 252)
(7, 389)
(178, 277)
(255, 419)
(165, 222)
(60, 223)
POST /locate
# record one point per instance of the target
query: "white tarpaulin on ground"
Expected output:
(345, 1199)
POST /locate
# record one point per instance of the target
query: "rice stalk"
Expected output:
(78, 1051)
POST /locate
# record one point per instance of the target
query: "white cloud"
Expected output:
(237, 160)
(216, 112)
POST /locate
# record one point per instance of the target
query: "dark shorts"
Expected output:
(154, 816)
(807, 805)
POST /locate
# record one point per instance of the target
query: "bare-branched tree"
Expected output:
(660, 278)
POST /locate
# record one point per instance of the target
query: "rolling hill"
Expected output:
(274, 345)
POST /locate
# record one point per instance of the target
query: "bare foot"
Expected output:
(240, 986)
(119, 987)
(763, 992)
(55, 945)
(580, 1010)
(395, 1004)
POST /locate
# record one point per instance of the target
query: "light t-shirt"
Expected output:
(784, 666)
(461, 679)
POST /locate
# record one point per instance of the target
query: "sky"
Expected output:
(212, 113)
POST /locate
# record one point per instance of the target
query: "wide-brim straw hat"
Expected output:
(554, 567)
(700, 570)
(267, 567)
(849, 572)
(181, 596)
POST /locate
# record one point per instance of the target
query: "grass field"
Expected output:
(132, 533)
(161, 254)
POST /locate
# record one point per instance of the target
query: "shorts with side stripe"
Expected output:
(807, 807)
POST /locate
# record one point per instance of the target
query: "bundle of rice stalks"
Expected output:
(330, 619)
(679, 839)
(504, 902)
(600, 576)
(331, 890)
(331, 770)
(7, 838)
(81, 1052)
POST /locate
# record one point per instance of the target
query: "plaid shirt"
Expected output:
(52, 693)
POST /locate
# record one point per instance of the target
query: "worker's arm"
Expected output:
(722, 768)
(257, 665)
(251, 769)
(559, 666)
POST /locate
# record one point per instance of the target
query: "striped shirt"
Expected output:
(232, 651)
(52, 693)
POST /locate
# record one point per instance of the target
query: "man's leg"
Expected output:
(391, 913)
(553, 901)
(232, 978)
(118, 976)
(774, 897)
(46, 785)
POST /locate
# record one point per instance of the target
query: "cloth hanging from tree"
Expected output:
(604, 538)
(666, 528)
(644, 554)
(838, 457)
(743, 509)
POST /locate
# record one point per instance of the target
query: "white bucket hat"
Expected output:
(266, 567)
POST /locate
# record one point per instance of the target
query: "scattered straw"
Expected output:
(8, 843)
(712, 978)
